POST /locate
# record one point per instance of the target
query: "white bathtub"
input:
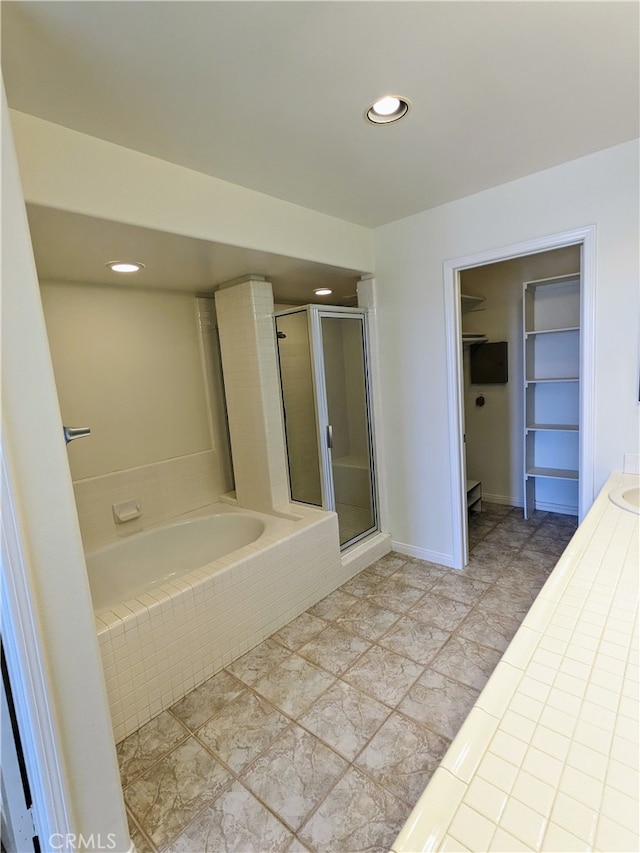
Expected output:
(170, 625)
(136, 565)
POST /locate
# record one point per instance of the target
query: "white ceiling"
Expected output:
(272, 95)
(72, 247)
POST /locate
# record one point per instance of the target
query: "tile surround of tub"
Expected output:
(159, 647)
(165, 489)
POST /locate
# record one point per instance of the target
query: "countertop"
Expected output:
(548, 757)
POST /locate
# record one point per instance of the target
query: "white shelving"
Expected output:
(474, 495)
(551, 332)
(471, 303)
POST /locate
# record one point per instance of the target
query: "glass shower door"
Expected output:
(299, 407)
(348, 428)
(327, 414)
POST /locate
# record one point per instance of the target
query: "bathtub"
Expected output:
(138, 564)
(175, 604)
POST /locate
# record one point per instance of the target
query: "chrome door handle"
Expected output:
(329, 436)
(71, 433)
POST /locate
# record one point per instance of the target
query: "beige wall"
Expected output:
(127, 363)
(76, 786)
(494, 445)
(141, 369)
(599, 190)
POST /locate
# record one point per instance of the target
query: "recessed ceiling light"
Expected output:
(124, 266)
(388, 109)
(323, 291)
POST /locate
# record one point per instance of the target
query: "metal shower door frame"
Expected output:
(315, 314)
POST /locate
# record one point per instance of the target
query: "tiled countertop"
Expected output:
(548, 757)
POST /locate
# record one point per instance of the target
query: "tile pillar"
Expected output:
(252, 388)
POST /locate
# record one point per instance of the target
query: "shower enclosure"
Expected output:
(324, 373)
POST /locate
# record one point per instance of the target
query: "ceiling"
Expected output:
(73, 247)
(272, 95)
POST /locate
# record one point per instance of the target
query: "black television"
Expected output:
(489, 363)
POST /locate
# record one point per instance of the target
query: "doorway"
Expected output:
(324, 375)
(584, 242)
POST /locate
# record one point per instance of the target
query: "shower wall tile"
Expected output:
(252, 386)
(165, 489)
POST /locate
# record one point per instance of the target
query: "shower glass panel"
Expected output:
(327, 415)
(345, 372)
(298, 399)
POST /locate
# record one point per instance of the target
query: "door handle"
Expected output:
(329, 436)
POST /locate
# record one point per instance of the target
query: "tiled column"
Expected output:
(252, 388)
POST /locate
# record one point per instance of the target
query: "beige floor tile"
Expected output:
(495, 630)
(294, 685)
(466, 661)
(334, 649)
(294, 775)
(258, 662)
(414, 639)
(242, 730)
(358, 815)
(402, 757)
(333, 605)
(172, 792)
(204, 701)
(394, 594)
(149, 743)
(345, 719)
(440, 612)
(439, 703)
(383, 674)
(300, 631)
(234, 822)
(367, 619)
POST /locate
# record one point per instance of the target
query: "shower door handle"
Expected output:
(329, 436)
(75, 432)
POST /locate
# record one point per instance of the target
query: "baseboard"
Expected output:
(423, 554)
(561, 509)
(504, 500)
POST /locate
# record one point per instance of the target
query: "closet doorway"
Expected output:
(521, 389)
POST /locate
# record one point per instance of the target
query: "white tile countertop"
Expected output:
(548, 757)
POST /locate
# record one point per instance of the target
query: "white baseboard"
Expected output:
(423, 554)
(504, 500)
(561, 509)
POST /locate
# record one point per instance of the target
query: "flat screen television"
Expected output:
(489, 363)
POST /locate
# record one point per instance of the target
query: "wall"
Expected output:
(494, 432)
(128, 363)
(601, 189)
(77, 767)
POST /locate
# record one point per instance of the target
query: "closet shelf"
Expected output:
(553, 379)
(553, 473)
(530, 332)
(469, 338)
(470, 303)
(553, 427)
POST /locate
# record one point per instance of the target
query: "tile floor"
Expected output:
(323, 737)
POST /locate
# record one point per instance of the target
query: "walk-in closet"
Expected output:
(521, 377)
